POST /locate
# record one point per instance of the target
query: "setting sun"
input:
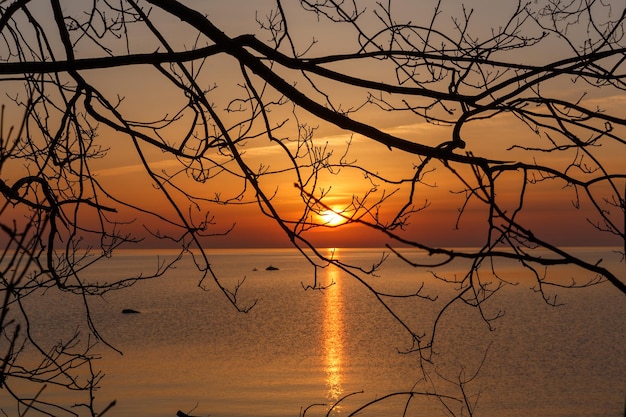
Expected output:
(332, 217)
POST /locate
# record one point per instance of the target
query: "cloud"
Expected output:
(126, 170)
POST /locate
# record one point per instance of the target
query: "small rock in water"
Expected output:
(271, 268)
(129, 311)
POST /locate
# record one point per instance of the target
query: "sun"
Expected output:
(331, 217)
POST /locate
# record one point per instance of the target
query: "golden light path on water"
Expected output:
(333, 333)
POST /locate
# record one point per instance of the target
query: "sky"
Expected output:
(548, 210)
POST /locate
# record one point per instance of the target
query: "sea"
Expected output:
(340, 350)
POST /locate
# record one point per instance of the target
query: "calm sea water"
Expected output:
(190, 350)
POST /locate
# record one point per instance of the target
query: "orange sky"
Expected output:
(549, 210)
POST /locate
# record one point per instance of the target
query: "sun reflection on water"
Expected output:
(333, 334)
